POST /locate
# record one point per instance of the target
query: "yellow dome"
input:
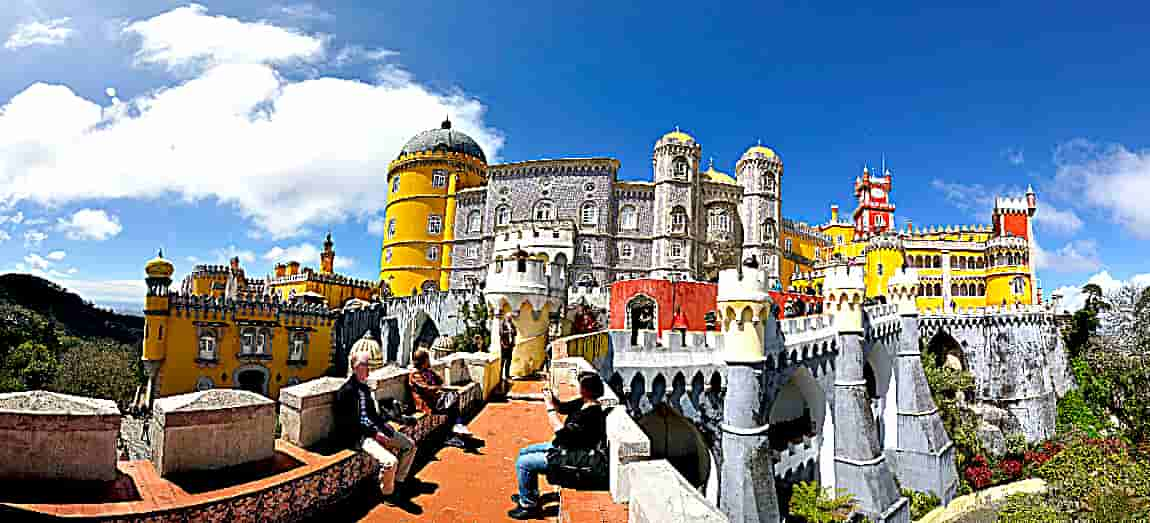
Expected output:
(158, 267)
(760, 150)
(718, 177)
(367, 345)
(678, 135)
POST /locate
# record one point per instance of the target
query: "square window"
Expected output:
(438, 178)
(677, 248)
(433, 253)
(434, 224)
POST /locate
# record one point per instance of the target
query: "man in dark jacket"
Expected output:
(359, 426)
(584, 428)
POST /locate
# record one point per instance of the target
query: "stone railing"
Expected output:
(659, 494)
(211, 429)
(795, 456)
(50, 436)
(807, 329)
(1016, 308)
(700, 348)
(595, 347)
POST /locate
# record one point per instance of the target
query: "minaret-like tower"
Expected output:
(678, 228)
(156, 316)
(747, 480)
(875, 212)
(327, 257)
(760, 173)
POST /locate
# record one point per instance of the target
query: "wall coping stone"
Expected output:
(660, 494)
(209, 407)
(311, 393)
(54, 411)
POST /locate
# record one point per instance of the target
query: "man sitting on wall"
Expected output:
(359, 426)
(433, 397)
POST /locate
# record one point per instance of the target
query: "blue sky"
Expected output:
(251, 128)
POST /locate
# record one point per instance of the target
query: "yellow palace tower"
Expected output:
(419, 222)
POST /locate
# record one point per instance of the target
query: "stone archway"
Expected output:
(643, 310)
(946, 351)
(252, 378)
(675, 439)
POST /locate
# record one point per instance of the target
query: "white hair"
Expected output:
(360, 358)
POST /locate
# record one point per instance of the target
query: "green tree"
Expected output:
(32, 364)
(1093, 293)
(100, 369)
(814, 504)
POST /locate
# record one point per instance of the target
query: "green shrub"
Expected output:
(814, 504)
(920, 502)
(1030, 508)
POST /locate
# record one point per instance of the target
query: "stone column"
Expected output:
(925, 453)
(860, 465)
(747, 477)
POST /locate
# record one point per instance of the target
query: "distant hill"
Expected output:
(77, 316)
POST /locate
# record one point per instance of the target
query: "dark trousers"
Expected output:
(505, 372)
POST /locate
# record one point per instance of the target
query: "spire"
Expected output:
(446, 123)
(711, 163)
(1029, 189)
(160, 254)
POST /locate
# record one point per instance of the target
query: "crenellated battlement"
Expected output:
(1006, 243)
(883, 242)
(261, 308)
(309, 275)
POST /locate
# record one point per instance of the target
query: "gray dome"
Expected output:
(443, 139)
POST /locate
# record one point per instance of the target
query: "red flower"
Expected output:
(979, 460)
(979, 476)
(1011, 467)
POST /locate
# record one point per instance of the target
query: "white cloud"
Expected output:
(1109, 177)
(33, 239)
(16, 219)
(73, 270)
(303, 11)
(1014, 155)
(305, 253)
(287, 154)
(4, 236)
(35, 261)
(356, 53)
(56, 255)
(1074, 256)
(231, 251)
(977, 200)
(34, 32)
(375, 226)
(187, 38)
(89, 224)
(1073, 299)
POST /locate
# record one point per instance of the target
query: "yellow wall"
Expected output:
(876, 281)
(417, 199)
(179, 348)
(335, 293)
(803, 245)
(530, 341)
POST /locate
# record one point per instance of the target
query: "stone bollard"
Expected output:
(46, 435)
(211, 429)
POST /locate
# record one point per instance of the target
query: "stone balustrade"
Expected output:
(659, 494)
(307, 412)
(795, 456)
(51, 436)
(211, 429)
(701, 348)
(807, 329)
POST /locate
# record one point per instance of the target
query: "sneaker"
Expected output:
(456, 442)
(461, 429)
(521, 513)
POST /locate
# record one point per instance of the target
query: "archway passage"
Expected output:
(427, 333)
(252, 380)
(947, 352)
(675, 439)
(641, 313)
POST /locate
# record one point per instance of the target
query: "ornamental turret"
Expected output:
(327, 257)
(678, 211)
(759, 172)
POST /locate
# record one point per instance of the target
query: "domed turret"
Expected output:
(716, 176)
(443, 139)
(677, 136)
(366, 345)
(760, 151)
(159, 267)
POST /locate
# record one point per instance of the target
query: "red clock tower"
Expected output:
(875, 212)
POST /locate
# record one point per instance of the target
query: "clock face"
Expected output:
(877, 193)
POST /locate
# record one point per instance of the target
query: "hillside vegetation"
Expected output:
(53, 339)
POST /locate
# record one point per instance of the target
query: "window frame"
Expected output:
(391, 228)
(545, 205)
(439, 178)
(626, 251)
(677, 245)
(680, 221)
(434, 224)
(628, 217)
(503, 215)
(432, 253)
(395, 184)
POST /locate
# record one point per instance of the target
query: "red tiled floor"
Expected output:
(469, 487)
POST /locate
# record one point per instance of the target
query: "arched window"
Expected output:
(544, 210)
(395, 184)
(719, 221)
(626, 251)
(589, 213)
(391, 228)
(474, 221)
(981, 289)
(954, 290)
(429, 286)
(938, 289)
(264, 342)
(204, 383)
(502, 215)
(248, 340)
(679, 168)
(678, 219)
(433, 253)
(298, 346)
(628, 217)
(676, 248)
(937, 261)
(586, 248)
(1018, 286)
(961, 263)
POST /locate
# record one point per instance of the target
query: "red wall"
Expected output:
(695, 299)
(1016, 224)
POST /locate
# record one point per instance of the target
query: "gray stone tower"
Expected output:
(860, 464)
(759, 172)
(678, 215)
(747, 479)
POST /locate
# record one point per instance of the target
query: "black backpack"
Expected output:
(580, 468)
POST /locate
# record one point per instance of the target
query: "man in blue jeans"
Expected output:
(585, 427)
